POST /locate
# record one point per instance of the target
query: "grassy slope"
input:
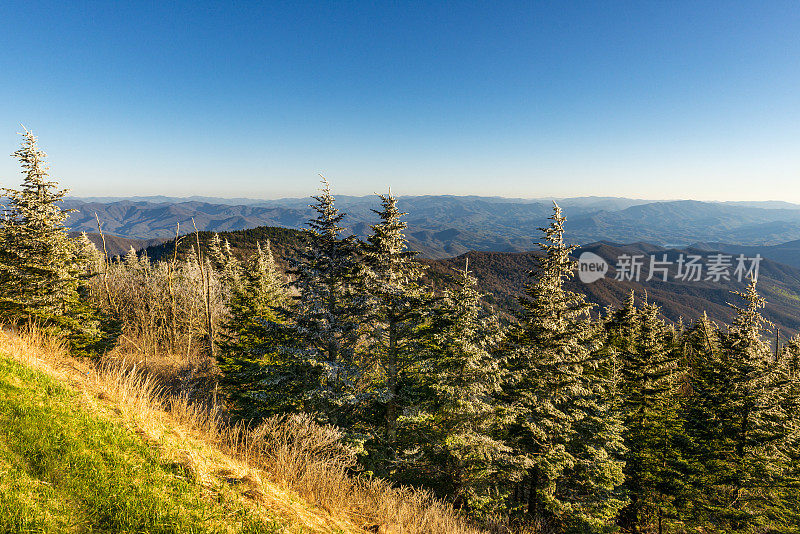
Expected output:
(79, 440)
(65, 469)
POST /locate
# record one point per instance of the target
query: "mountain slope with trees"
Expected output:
(569, 418)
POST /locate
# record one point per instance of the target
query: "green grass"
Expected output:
(63, 469)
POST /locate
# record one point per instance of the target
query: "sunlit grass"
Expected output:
(64, 469)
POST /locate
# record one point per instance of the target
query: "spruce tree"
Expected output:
(328, 313)
(450, 439)
(738, 427)
(40, 267)
(87, 256)
(650, 378)
(260, 375)
(789, 369)
(557, 387)
(395, 307)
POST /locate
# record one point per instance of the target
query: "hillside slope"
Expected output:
(504, 275)
(83, 450)
(102, 447)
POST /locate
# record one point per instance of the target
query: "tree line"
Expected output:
(561, 419)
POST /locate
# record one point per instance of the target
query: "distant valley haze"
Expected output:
(447, 225)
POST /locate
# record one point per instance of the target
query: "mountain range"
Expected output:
(447, 226)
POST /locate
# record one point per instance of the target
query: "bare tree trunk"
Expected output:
(204, 275)
(173, 335)
(111, 303)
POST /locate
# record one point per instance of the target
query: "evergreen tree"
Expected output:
(557, 386)
(396, 305)
(789, 369)
(260, 375)
(39, 265)
(450, 438)
(707, 382)
(87, 256)
(650, 373)
(328, 312)
(737, 427)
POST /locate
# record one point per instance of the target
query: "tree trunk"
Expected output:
(391, 378)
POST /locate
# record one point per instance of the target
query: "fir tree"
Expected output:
(39, 265)
(557, 386)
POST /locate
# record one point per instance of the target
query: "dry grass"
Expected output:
(298, 469)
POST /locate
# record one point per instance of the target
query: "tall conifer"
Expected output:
(40, 268)
(328, 312)
(650, 377)
(396, 302)
(557, 386)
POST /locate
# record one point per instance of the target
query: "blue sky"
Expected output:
(640, 99)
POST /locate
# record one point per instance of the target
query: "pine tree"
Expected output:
(328, 312)
(451, 435)
(39, 265)
(396, 305)
(557, 386)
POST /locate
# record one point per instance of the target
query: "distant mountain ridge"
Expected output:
(503, 275)
(445, 226)
(788, 253)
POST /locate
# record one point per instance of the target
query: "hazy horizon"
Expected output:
(368, 195)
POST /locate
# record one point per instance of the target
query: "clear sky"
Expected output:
(640, 99)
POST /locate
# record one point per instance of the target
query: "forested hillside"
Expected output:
(502, 276)
(442, 414)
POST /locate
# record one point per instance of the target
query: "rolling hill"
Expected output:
(445, 226)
